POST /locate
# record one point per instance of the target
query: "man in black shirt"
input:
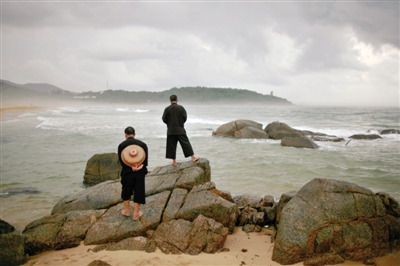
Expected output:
(133, 177)
(175, 117)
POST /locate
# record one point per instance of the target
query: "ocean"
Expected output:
(44, 151)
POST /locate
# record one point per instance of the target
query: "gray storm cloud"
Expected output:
(313, 53)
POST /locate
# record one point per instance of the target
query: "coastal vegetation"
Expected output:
(32, 92)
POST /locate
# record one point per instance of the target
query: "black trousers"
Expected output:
(133, 183)
(172, 141)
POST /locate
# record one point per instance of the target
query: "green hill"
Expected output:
(186, 94)
(40, 93)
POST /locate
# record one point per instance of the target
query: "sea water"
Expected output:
(44, 152)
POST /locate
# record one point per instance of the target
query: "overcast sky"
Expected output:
(309, 52)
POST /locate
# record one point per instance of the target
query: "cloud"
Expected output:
(307, 52)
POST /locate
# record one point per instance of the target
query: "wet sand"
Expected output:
(241, 249)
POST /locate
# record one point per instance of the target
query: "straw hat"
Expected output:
(133, 154)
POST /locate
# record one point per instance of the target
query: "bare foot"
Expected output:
(195, 159)
(125, 213)
(135, 218)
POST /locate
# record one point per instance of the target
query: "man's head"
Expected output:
(129, 131)
(173, 98)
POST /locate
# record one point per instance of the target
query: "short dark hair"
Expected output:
(173, 98)
(129, 131)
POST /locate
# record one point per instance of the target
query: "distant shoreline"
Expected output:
(18, 109)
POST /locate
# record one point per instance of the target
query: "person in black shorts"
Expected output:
(133, 177)
(175, 117)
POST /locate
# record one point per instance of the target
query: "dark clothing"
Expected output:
(133, 183)
(175, 117)
(172, 141)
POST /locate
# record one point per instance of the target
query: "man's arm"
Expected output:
(164, 117)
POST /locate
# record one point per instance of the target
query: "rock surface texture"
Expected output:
(102, 167)
(329, 221)
(182, 193)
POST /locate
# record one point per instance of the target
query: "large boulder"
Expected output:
(301, 142)
(201, 200)
(102, 167)
(247, 129)
(331, 217)
(97, 197)
(59, 231)
(181, 236)
(12, 246)
(107, 194)
(278, 130)
(94, 215)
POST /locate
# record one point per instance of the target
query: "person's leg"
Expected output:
(187, 147)
(172, 141)
(126, 193)
(136, 211)
(126, 212)
(139, 193)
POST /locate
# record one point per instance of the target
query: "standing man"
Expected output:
(132, 177)
(175, 117)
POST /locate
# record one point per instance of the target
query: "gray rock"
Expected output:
(247, 200)
(174, 204)
(102, 167)
(389, 131)
(181, 236)
(302, 142)
(41, 234)
(97, 197)
(107, 194)
(131, 243)
(334, 217)
(241, 129)
(75, 226)
(201, 200)
(327, 138)
(114, 227)
(5, 227)
(365, 136)
(278, 130)
(12, 246)
(98, 263)
(285, 198)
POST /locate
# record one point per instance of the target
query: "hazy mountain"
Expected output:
(44, 87)
(43, 93)
(17, 94)
(186, 94)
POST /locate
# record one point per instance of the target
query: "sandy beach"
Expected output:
(241, 249)
(17, 109)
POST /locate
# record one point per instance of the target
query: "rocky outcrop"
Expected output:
(301, 142)
(181, 236)
(278, 130)
(326, 222)
(172, 193)
(330, 221)
(389, 131)
(255, 212)
(246, 129)
(365, 136)
(102, 167)
(12, 246)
